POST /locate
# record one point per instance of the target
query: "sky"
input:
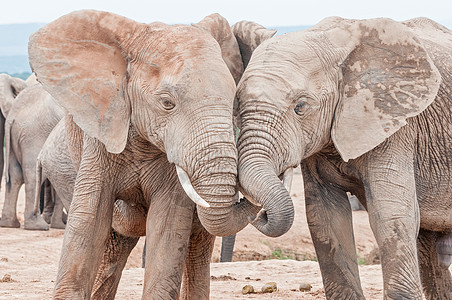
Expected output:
(265, 12)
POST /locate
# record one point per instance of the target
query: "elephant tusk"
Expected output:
(189, 189)
(287, 179)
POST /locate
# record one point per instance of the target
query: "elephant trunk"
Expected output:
(259, 179)
(210, 178)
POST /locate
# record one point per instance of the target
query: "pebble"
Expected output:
(269, 287)
(305, 287)
(6, 278)
(247, 289)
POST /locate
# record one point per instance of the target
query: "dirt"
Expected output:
(29, 261)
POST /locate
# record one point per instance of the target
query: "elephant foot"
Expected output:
(36, 223)
(58, 225)
(9, 222)
(47, 217)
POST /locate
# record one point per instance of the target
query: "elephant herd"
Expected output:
(132, 128)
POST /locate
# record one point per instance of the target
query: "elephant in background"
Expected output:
(148, 106)
(10, 87)
(31, 80)
(366, 107)
(30, 120)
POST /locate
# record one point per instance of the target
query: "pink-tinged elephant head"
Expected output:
(171, 84)
(346, 83)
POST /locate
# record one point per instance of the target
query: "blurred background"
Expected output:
(20, 18)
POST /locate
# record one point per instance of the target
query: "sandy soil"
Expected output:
(29, 261)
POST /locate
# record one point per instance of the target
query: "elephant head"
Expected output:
(169, 84)
(346, 83)
(10, 87)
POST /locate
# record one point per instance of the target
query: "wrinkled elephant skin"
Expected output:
(365, 107)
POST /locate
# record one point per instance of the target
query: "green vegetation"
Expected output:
(361, 260)
(278, 254)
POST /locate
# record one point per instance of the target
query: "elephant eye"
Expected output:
(168, 104)
(167, 101)
(300, 107)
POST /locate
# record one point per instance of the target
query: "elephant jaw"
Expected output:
(189, 189)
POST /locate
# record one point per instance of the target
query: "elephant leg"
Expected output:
(227, 248)
(329, 217)
(117, 251)
(57, 216)
(9, 211)
(88, 226)
(196, 280)
(143, 256)
(394, 218)
(168, 230)
(436, 280)
(49, 201)
(32, 221)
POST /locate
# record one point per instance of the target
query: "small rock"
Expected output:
(4, 259)
(6, 278)
(305, 287)
(248, 289)
(247, 278)
(269, 287)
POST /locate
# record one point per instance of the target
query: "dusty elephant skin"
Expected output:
(10, 87)
(142, 100)
(30, 120)
(365, 106)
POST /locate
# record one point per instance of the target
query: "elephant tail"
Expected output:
(39, 181)
(8, 125)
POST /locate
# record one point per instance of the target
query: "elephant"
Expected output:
(149, 121)
(31, 80)
(10, 87)
(364, 106)
(30, 120)
(249, 35)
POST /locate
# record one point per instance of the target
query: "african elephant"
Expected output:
(365, 107)
(10, 87)
(249, 35)
(31, 80)
(30, 120)
(148, 106)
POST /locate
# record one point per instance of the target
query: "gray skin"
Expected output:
(29, 122)
(160, 96)
(10, 87)
(249, 35)
(365, 106)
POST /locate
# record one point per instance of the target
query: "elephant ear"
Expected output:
(387, 78)
(10, 87)
(249, 35)
(218, 27)
(17, 86)
(81, 62)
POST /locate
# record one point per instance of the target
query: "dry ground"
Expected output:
(29, 261)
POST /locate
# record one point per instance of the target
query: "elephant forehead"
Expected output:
(170, 47)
